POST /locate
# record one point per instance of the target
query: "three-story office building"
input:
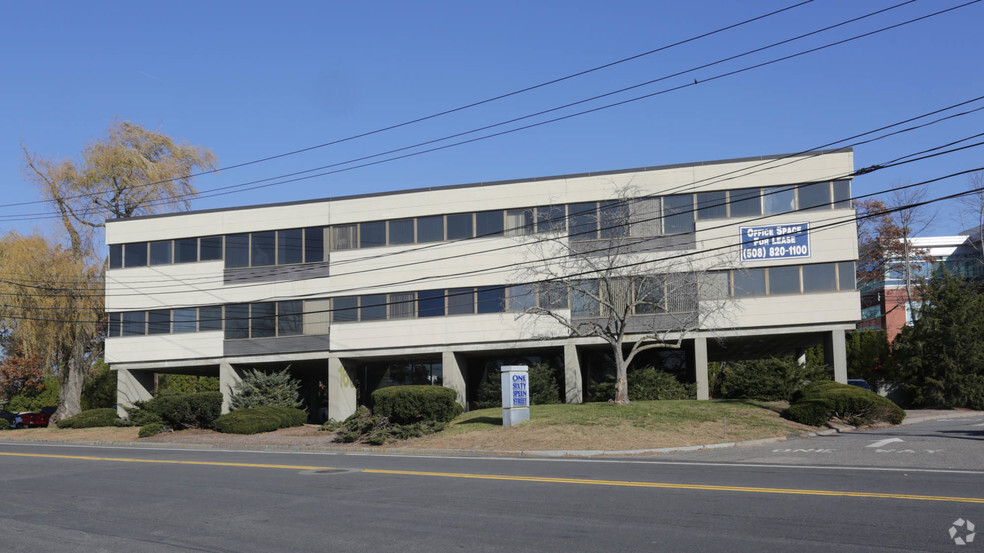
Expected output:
(433, 286)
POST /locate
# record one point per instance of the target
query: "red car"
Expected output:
(29, 419)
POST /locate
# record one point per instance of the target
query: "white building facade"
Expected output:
(428, 286)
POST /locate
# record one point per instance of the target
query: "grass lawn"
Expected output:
(640, 425)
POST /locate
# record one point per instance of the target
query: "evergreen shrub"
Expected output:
(258, 388)
(91, 419)
(179, 411)
(819, 402)
(772, 379)
(4, 424)
(647, 384)
(151, 429)
(256, 420)
(544, 389)
(410, 404)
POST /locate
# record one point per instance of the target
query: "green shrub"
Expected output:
(256, 420)
(91, 419)
(151, 429)
(364, 426)
(773, 379)
(179, 411)
(171, 384)
(139, 416)
(410, 404)
(544, 389)
(33, 399)
(99, 391)
(646, 384)
(822, 401)
(4, 424)
(258, 388)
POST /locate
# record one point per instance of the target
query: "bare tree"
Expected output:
(974, 204)
(617, 274)
(911, 220)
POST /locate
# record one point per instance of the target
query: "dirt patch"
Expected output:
(101, 434)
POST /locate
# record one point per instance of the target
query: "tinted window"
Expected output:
(185, 320)
(784, 280)
(160, 253)
(551, 218)
(461, 301)
(343, 237)
(678, 214)
(211, 248)
(401, 232)
(345, 309)
(401, 305)
(519, 222)
(820, 278)
(779, 200)
(236, 250)
(613, 219)
(583, 221)
(842, 194)
(814, 196)
(650, 295)
(430, 303)
(236, 320)
(263, 248)
(372, 235)
(488, 223)
(210, 318)
(159, 321)
(522, 297)
(289, 317)
(583, 302)
(373, 307)
(712, 205)
(714, 285)
(491, 300)
(289, 246)
(845, 275)
(552, 295)
(263, 320)
(114, 324)
(746, 202)
(135, 254)
(115, 256)
(186, 250)
(460, 226)
(749, 282)
(314, 244)
(134, 323)
(430, 229)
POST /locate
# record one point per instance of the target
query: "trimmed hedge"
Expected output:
(91, 419)
(819, 402)
(179, 411)
(256, 420)
(151, 429)
(410, 404)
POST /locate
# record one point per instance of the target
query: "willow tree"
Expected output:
(130, 171)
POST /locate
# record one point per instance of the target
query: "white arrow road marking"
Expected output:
(981, 424)
(886, 441)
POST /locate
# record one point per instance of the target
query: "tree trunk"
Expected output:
(621, 381)
(72, 381)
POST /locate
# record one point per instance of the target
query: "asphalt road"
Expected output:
(68, 498)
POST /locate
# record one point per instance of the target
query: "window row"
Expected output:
(643, 217)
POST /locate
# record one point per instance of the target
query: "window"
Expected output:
(290, 317)
(373, 307)
(650, 295)
(461, 301)
(784, 280)
(821, 277)
(401, 305)
(681, 292)
(678, 214)
(488, 223)
(491, 300)
(317, 313)
(401, 232)
(551, 218)
(185, 320)
(211, 248)
(263, 248)
(779, 200)
(583, 302)
(343, 237)
(521, 298)
(814, 196)
(460, 226)
(159, 321)
(263, 319)
(712, 205)
(430, 229)
(237, 321)
(134, 323)
(842, 194)
(344, 310)
(430, 303)
(135, 254)
(160, 253)
(236, 251)
(749, 282)
(519, 222)
(553, 295)
(289, 246)
(314, 244)
(845, 276)
(714, 285)
(210, 318)
(115, 256)
(613, 218)
(583, 221)
(746, 202)
(186, 250)
(644, 214)
(372, 235)
(114, 324)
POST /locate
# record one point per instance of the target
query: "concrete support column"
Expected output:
(132, 386)
(835, 353)
(342, 399)
(700, 368)
(452, 364)
(229, 376)
(573, 386)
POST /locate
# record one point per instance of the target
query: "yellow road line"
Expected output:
(539, 479)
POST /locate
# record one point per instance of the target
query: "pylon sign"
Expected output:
(515, 394)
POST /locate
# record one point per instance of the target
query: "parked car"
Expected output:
(859, 383)
(30, 419)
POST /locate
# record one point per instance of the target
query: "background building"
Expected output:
(427, 286)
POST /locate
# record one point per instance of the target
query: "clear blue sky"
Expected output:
(252, 79)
